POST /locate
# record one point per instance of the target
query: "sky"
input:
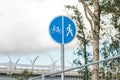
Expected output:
(24, 29)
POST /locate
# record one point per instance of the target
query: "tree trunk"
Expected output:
(95, 72)
(95, 28)
(86, 60)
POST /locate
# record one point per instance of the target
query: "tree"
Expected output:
(111, 10)
(83, 37)
(95, 11)
(111, 47)
(93, 18)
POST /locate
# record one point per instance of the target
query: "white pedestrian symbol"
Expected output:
(69, 30)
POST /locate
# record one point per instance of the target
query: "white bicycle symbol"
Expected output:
(56, 29)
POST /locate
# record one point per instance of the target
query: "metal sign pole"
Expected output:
(62, 61)
(62, 50)
(62, 30)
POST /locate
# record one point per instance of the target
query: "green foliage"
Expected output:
(110, 6)
(111, 47)
(83, 37)
(110, 29)
(23, 76)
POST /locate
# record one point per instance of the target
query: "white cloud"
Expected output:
(24, 24)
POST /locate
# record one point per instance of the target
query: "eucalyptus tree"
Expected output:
(110, 9)
(92, 13)
(110, 23)
(104, 19)
(83, 39)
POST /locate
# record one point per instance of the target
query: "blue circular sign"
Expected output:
(62, 29)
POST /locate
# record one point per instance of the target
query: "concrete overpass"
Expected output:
(10, 68)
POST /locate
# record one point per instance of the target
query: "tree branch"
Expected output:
(88, 10)
(89, 20)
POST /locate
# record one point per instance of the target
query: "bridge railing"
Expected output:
(109, 69)
(10, 68)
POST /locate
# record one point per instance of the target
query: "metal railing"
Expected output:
(108, 70)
